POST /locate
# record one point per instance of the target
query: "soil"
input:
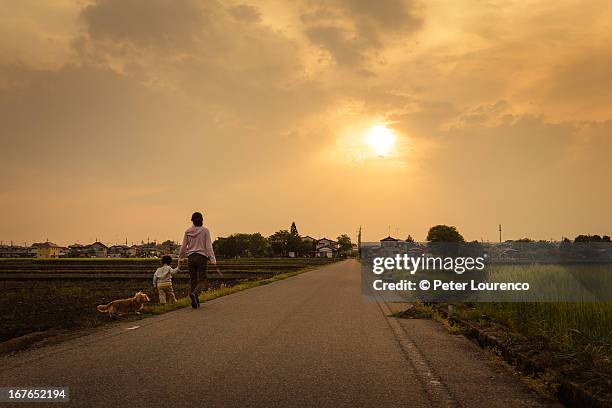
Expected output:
(38, 306)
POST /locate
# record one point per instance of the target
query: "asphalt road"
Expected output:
(311, 340)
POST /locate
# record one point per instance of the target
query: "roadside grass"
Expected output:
(544, 384)
(420, 310)
(575, 329)
(221, 291)
(579, 330)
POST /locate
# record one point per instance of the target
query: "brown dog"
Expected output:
(123, 306)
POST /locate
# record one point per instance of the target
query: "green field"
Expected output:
(580, 329)
(581, 326)
(565, 317)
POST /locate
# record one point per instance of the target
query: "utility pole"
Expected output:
(500, 237)
(359, 243)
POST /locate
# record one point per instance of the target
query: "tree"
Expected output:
(258, 245)
(445, 241)
(278, 242)
(294, 230)
(410, 239)
(592, 238)
(294, 243)
(241, 242)
(444, 233)
(306, 248)
(228, 247)
(221, 247)
(344, 243)
(240, 245)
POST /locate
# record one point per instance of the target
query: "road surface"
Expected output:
(311, 340)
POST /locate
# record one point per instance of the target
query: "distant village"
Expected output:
(94, 250)
(289, 243)
(323, 247)
(283, 243)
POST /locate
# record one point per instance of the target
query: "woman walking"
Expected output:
(197, 247)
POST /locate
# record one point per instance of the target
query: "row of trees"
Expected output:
(445, 233)
(592, 238)
(279, 244)
(447, 240)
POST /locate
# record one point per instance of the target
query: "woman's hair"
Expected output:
(197, 219)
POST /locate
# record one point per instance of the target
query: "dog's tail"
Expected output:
(103, 308)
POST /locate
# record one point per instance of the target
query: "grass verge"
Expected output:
(419, 310)
(222, 291)
(545, 365)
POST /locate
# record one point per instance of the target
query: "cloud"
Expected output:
(240, 72)
(216, 103)
(147, 23)
(346, 51)
(353, 31)
(246, 13)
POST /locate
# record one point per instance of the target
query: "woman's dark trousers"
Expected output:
(198, 264)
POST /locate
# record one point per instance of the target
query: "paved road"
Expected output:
(311, 340)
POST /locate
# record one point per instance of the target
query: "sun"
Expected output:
(380, 139)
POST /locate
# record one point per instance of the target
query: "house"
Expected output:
(119, 251)
(168, 248)
(148, 250)
(14, 251)
(390, 246)
(389, 242)
(326, 248)
(326, 252)
(326, 242)
(46, 250)
(96, 250)
(76, 251)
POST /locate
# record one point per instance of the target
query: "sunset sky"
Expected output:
(118, 118)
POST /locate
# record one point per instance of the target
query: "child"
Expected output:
(162, 280)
